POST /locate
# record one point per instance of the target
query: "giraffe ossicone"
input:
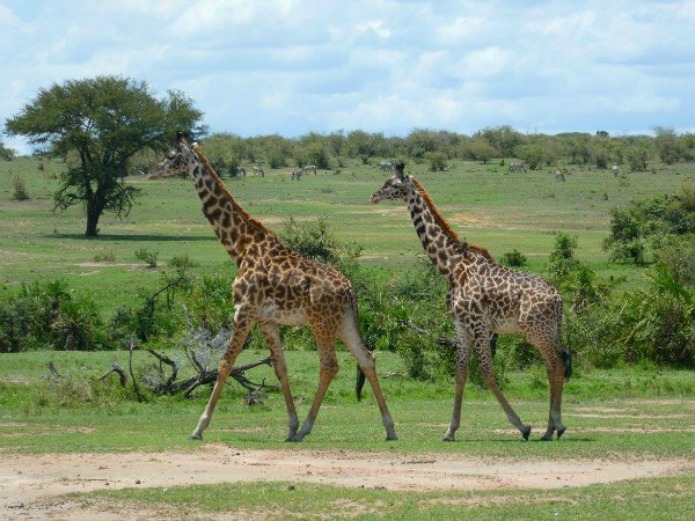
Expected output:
(275, 285)
(484, 299)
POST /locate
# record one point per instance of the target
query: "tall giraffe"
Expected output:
(275, 285)
(485, 297)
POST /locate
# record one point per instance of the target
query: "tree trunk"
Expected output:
(93, 214)
(92, 221)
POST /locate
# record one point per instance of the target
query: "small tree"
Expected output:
(99, 125)
(562, 261)
(625, 239)
(6, 153)
(666, 143)
(637, 156)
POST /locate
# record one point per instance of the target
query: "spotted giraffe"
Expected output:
(485, 297)
(275, 285)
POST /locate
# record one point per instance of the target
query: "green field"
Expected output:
(631, 419)
(641, 415)
(484, 203)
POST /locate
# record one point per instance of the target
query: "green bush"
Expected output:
(20, 189)
(49, 317)
(315, 241)
(149, 257)
(514, 259)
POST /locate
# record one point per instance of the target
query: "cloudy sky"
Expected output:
(258, 67)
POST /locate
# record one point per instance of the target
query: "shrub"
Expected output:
(315, 241)
(437, 161)
(20, 189)
(147, 256)
(49, 317)
(562, 261)
(514, 259)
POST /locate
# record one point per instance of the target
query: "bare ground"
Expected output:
(31, 486)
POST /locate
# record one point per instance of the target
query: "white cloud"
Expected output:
(293, 66)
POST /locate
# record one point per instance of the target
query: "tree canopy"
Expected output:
(98, 125)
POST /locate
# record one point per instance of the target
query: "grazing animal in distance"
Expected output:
(517, 167)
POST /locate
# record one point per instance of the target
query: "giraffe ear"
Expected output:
(399, 166)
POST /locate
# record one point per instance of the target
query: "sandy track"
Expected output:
(30, 486)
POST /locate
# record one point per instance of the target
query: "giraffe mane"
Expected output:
(445, 225)
(435, 211)
(237, 207)
(479, 249)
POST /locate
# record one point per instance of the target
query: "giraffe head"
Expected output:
(395, 187)
(177, 160)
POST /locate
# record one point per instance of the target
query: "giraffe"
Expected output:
(275, 285)
(483, 298)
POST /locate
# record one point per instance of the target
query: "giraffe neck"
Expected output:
(235, 228)
(440, 242)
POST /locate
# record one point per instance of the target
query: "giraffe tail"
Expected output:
(360, 383)
(361, 377)
(566, 356)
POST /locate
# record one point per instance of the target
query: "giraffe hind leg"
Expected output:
(556, 377)
(485, 361)
(351, 337)
(328, 368)
(271, 334)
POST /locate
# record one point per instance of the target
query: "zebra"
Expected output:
(615, 170)
(307, 168)
(258, 171)
(296, 174)
(240, 170)
(385, 166)
(559, 176)
(517, 167)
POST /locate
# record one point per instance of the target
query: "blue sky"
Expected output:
(290, 67)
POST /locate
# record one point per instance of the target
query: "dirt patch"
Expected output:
(30, 486)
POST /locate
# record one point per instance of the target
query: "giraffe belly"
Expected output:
(291, 317)
(505, 325)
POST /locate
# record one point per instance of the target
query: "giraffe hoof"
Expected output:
(392, 438)
(560, 432)
(526, 432)
(547, 437)
(448, 438)
(195, 436)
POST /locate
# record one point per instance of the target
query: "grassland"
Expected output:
(629, 449)
(639, 416)
(484, 203)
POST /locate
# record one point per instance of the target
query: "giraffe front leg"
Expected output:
(271, 334)
(462, 357)
(241, 331)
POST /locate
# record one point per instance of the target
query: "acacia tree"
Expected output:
(99, 124)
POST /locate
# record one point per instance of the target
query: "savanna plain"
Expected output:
(629, 449)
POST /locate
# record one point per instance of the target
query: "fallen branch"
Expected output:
(443, 340)
(210, 377)
(116, 368)
(133, 346)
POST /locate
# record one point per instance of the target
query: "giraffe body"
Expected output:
(486, 298)
(275, 285)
